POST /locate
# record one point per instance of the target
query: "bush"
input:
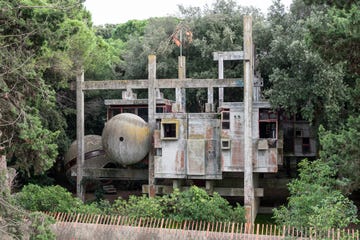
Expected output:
(196, 204)
(193, 204)
(49, 198)
(314, 201)
(140, 207)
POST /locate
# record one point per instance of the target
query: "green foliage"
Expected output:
(16, 223)
(40, 224)
(335, 210)
(338, 40)
(301, 81)
(43, 44)
(193, 204)
(37, 145)
(49, 198)
(140, 207)
(342, 151)
(129, 29)
(196, 204)
(314, 202)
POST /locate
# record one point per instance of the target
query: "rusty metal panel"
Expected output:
(265, 160)
(205, 127)
(171, 163)
(213, 165)
(234, 159)
(171, 155)
(196, 157)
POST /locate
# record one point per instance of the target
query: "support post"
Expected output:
(249, 194)
(152, 121)
(210, 101)
(221, 76)
(80, 131)
(180, 92)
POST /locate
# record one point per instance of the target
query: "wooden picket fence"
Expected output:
(170, 229)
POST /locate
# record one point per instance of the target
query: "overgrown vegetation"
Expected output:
(192, 204)
(314, 200)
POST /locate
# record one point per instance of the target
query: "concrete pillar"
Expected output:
(210, 101)
(209, 186)
(181, 92)
(249, 194)
(221, 76)
(152, 121)
(80, 131)
(177, 183)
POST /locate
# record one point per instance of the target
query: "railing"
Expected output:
(115, 227)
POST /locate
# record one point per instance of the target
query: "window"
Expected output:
(128, 110)
(306, 145)
(267, 123)
(143, 113)
(298, 133)
(159, 109)
(169, 129)
(267, 129)
(225, 143)
(225, 119)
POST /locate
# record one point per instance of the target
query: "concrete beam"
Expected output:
(228, 55)
(162, 83)
(116, 173)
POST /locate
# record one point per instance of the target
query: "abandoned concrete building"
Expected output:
(235, 149)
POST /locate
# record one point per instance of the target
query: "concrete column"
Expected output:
(180, 92)
(80, 131)
(152, 121)
(221, 76)
(177, 183)
(209, 186)
(249, 194)
(210, 101)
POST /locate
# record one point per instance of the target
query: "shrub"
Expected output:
(193, 204)
(49, 198)
(314, 201)
(196, 204)
(139, 207)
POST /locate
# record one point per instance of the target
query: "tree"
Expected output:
(43, 44)
(314, 201)
(301, 81)
(341, 150)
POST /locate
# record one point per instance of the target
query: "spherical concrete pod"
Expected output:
(126, 139)
(94, 156)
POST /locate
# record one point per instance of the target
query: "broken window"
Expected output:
(169, 130)
(225, 119)
(143, 113)
(306, 145)
(267, 123)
